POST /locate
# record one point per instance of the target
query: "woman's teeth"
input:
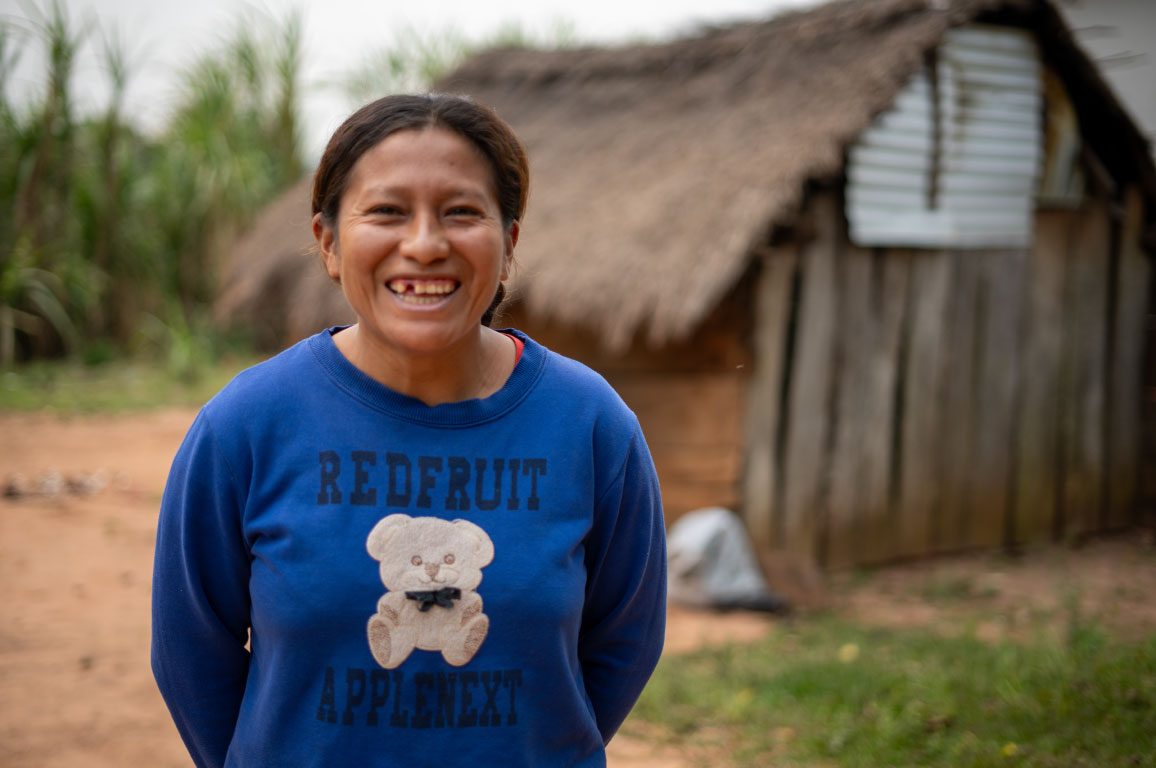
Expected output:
(422, 291)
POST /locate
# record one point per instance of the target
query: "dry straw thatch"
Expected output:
(276, 288)
(658, 169)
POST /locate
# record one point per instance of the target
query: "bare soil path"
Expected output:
(75, 566)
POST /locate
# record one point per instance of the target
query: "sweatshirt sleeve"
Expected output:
(624, 619)
(200, 607)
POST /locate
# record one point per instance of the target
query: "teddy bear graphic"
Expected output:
(431, 569)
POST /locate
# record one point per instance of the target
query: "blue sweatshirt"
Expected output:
(346, 576)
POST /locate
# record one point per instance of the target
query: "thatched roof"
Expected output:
(658, 169)
(275, 288)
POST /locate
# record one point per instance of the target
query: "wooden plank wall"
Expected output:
(861, 406)
(801, 496)
(845, 524)
(873, 296)
(688, 397)
(1082, 373)
(693, 426)
(1038, 452)
(940, 401)
(921, 496)
(996, 362)
(1133, 277)
(960, 405)
(762, 468)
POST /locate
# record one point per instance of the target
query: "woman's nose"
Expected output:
(425, 239)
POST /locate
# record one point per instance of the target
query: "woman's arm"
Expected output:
(201, 597)
(625, 615)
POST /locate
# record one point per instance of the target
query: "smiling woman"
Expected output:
(419, 247)
(417, 537)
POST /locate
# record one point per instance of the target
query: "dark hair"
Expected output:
(378, 120)
(477, 123)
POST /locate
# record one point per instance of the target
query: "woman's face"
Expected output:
(418, 245)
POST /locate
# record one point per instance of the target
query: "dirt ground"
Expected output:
(76, 539)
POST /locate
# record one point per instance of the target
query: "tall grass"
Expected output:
(106, 232)
(412, 60)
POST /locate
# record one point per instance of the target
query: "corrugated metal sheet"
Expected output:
(954, 163)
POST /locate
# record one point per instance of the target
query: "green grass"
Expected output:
(114, 387)
(906, 697)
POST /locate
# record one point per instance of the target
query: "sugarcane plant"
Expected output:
(106, 231)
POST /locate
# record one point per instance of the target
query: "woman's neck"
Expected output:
(476, 368)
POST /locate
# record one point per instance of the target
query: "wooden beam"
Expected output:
(999, 312)
(888, 306)
(1082, 382)
(1132, 279)
(1038, 444)
(856, 338)
(805, 460)
(927, 360)
(764, 395)
(960, 405)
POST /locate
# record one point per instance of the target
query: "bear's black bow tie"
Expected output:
(427, 598)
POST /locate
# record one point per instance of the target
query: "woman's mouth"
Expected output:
(429, 291)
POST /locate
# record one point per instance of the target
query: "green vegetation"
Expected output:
(410, 63)
(826, 692)
(413, 60)
(74, 388)
(108, 234)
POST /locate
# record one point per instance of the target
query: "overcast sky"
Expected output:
(163, 35)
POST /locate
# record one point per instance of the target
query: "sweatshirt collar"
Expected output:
(460, 414)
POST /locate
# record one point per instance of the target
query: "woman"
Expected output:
(415, 540)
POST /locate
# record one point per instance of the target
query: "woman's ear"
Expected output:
(326, 239)
(511, 241)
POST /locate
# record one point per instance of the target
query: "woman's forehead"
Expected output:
(431, 154)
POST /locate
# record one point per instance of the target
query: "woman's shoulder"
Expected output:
(562, 371)
(583, 389)
(266, 385)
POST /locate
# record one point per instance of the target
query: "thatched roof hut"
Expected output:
(879, 267)
(659, 169)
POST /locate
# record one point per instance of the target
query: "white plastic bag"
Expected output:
(712, 564)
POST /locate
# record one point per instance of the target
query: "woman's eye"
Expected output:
(386, 210)
(461, 210)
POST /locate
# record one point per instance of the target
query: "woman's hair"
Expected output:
(376, 121)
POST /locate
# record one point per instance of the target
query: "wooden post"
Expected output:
(889, 304)
(1127, 391)
(928, 354)
(805, 462)
(856, 337)
(998, 321)
(873, 293)
(1082, 393)
(960, 406)
(763, 422)
(1039, 435)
